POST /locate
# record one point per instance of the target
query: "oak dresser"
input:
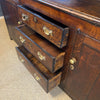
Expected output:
(58, 42)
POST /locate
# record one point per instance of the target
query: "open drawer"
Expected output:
(52, 30)
(43, 76)
(48, 54)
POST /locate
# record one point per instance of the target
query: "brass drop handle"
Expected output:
(22, 60)
(24, 17)
(36, 77)
(41, 57)
(72, 61)
(22, 39)
(47, 31)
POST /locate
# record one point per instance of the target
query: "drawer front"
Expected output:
(44, 51)
(46, 79)
(54, 31)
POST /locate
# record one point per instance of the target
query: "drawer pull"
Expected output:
(19, 22)
(47, 31)
(72, 67)
(22, 60)
(24, 17)
(22, 39)
(36, 77)
(41, 57)
(72, 61)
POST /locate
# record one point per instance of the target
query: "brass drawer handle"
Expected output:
(72, 61)
(36, 77)
(47, 31)
(41, 57)
(24, 17)
(22, 39)
(19, 22)
(72, 67)
(22, 60)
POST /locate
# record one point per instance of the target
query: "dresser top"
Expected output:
(85, 9)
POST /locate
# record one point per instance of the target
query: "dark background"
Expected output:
(0, 11)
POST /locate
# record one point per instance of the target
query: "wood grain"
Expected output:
(86, 71)
(95, 92)
(45, 78)
(87, 10)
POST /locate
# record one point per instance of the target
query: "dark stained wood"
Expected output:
(84, 9)
(59, 31)
(95, 93)
(92, 42)
(11, 17)
(78, 83)
(66, 19)
(43, 76)
(36, 44)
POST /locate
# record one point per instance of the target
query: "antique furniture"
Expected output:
(58, 42)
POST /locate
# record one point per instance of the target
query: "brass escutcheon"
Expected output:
(24, 17)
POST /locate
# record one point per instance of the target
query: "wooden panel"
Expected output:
(50, 56)
(95, 93)
(11, 17)
(84, 75)
(86, 70)
(46, 79)
(93, 43)
(52, 30)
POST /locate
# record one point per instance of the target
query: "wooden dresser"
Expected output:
(58, 42)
